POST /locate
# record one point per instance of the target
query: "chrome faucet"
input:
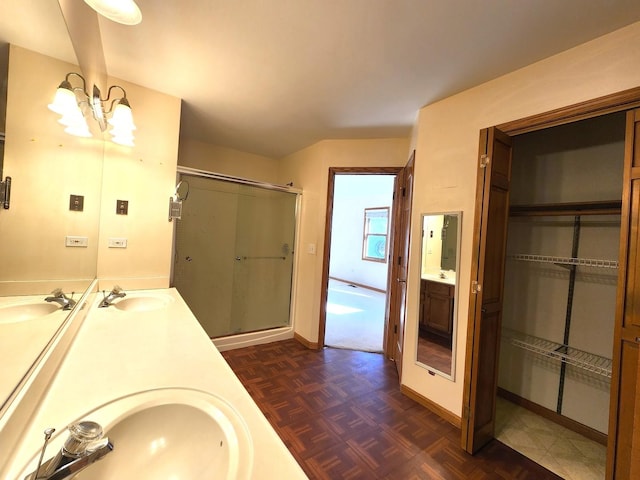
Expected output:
(84, 446)
(65, 302)
(116, 292)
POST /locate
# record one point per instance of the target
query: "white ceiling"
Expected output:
(274, 76)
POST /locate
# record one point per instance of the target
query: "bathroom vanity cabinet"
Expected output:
(436, 308)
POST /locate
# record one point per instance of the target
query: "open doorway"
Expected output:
(359, 261)
(388, 335)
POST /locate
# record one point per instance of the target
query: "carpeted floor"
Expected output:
(355, 317)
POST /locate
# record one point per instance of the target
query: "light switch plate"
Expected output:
(122, 207)
(76, 203)
(117, 243)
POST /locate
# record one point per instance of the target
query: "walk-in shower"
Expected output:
(234, 254)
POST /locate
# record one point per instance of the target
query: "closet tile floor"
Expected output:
(564, 452)
(342, 416)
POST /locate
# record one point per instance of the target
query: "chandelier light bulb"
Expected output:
(64, 100)
(122, 117)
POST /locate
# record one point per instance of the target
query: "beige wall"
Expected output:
(446, 159)
(308, 169)
(227, 161)
(144, 175)
(46, 166)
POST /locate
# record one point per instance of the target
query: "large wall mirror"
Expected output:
(437, 313)
(47, 166)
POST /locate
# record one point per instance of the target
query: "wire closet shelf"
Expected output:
(582, 262)
(569, 355)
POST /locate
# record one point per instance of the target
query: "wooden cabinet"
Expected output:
(436, 308)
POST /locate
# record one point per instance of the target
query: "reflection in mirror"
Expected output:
(438, 292)
(47, 167)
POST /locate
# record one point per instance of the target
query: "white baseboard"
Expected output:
(253, 338)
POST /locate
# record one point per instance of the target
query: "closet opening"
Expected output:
(591, 209)
(559, 298)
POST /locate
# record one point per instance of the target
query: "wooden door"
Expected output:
(623, 456)
(487, 276)
(400, 259)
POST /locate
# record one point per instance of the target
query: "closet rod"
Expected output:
(608, 207)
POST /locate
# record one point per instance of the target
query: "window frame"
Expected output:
(385, 211)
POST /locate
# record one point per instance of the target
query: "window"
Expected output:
(376, 230)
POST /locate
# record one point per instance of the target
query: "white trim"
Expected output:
(253, 338)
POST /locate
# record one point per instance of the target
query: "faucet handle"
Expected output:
(81, 436)
(57, 292)
(116, 289)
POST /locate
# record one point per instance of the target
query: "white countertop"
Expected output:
(116, 353)
(450, 278)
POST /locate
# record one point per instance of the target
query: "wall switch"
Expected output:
(122, 207)
(76, 203)
(74, 241)
(117, 243)
(311, 249)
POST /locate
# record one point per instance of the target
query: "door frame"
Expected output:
(616, 102)
(324, 290)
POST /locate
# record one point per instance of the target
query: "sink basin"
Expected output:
(171, 433)
(142, 302)
(26, 311)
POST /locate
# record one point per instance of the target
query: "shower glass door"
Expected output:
(234, 255)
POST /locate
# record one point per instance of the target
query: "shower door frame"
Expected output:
(287, 331)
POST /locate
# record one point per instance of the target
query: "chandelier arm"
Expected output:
(124, 93)
(84, 83)
(111, 105)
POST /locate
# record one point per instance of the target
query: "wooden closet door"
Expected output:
(623, 456)
(487, 275)
(402, 254)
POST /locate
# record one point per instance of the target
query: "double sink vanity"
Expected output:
(145, 371)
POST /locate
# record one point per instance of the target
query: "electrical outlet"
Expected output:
(75, 241)
(117, 243)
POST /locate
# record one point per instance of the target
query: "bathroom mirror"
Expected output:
(439, 267)
(47, 166)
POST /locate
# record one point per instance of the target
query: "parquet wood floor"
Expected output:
(342, 416)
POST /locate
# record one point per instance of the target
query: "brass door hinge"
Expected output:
(484, 160)
(476, 287)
